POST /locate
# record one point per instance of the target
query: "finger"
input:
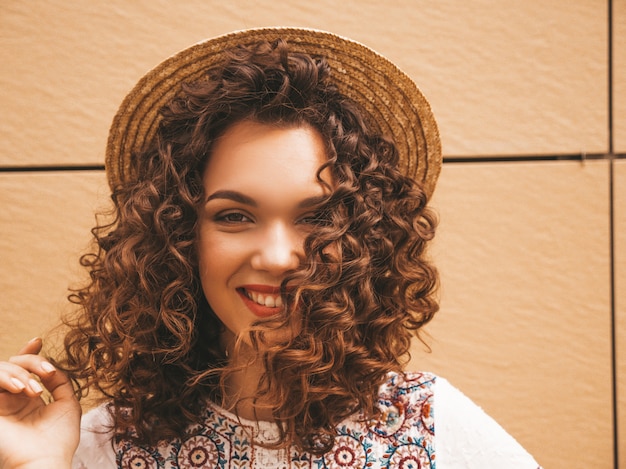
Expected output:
(20, 368)
(54, 380)
(13, 378)
(33, 346)
(59, 386)
(16, 379)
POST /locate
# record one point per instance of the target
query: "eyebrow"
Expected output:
(234, 196)
(246, 200)
(312, 201)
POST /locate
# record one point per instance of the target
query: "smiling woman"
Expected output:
(261, 182)
(253, 302)
(261, 188)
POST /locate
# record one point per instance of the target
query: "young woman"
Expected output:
(253, 301)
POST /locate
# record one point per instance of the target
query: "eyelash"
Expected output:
(235, 218)
(316, 219)
(228, 218)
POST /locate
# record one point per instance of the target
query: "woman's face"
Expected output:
(261, 192)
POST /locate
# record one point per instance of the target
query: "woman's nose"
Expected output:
(280, 250)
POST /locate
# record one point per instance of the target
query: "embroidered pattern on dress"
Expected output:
(402, 438)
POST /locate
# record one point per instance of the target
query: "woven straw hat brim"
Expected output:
(391, 98)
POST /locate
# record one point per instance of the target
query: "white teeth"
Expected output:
(271, 301)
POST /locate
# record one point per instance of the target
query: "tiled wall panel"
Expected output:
(44, 227)
(517, 79)
(524, 326)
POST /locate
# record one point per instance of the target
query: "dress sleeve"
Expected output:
(95, 450)
(467, 438)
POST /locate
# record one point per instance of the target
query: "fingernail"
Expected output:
(34, 339)
(18, 384)
(35, 386)
(48, 367)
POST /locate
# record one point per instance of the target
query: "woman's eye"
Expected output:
(233, 217)
(315, 219)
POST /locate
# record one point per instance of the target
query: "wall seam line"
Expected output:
(612, 280)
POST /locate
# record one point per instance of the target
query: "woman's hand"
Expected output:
(33, 433)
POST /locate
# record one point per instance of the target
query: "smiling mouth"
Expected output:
(264, 299)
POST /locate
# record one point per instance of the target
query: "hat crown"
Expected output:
(389, 96)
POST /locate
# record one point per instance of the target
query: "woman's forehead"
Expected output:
(259, 157)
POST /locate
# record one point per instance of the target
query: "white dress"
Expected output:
(425, 423)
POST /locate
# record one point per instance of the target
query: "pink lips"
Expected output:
(261, 291)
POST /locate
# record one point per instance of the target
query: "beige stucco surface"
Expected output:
(523, 78)
(524, 326)
(44, 227)
(523, 248)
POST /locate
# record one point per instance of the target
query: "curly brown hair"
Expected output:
(145, 336)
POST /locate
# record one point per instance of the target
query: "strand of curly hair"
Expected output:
(146, 338)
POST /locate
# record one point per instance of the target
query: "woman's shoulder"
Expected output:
(465, 436)
(96, 436)
(409, 380)
(410, 393)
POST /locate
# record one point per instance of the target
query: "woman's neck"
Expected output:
(241, 384)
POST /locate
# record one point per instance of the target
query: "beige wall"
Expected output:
(524, 246)
(620, 298)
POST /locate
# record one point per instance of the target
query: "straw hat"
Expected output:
(391, 98)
